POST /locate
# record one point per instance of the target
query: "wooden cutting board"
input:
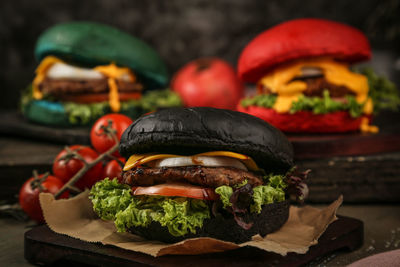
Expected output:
(44, 247)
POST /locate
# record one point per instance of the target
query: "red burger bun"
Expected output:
(299, 39)
(306, 121)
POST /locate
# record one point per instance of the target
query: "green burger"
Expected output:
(89, 69)
(201, 172)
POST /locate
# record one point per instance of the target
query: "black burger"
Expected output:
(201, 172)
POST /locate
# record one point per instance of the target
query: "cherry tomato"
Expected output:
(208, 82)
(65, 168)
(29, 197)
(177, 190)
(100, 141)
(113, 169)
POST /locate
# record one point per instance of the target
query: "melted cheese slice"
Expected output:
(365, 127)
(41, 72)
(140, 159)
(280, 81)
(112, 72)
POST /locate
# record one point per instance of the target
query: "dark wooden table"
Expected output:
(370, 182)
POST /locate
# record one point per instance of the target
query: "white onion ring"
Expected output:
(64, 71)
(310, 72)
(207, 161)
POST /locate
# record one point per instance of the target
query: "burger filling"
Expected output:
(57, 79)
(199, 175)
(322, 86)
(181, 192)
(84, 94)
(312, 78)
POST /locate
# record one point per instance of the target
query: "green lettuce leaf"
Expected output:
(326, 104)
(85, 113)
(273, 191)
(265, 194)
(276, 181)
(383, 92)
(109, 197)
(225, 192)
(263, 100)
(113, 201)
(157, 99)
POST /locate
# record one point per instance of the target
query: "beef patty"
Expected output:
(198, 175)
(60, 87)
(316, 86)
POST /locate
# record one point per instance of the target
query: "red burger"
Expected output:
(304, 83)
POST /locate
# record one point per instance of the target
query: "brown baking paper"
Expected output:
(75, 217)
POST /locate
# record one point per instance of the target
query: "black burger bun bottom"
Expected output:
(188, 131)
(221, 227)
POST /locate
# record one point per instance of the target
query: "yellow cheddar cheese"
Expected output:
(113, 72)
(365, 127)
(41, 71)
(368, 106)
(139, 159)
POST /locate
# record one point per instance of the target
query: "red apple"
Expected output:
(208, 82)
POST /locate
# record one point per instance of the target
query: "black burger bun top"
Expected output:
(188, 131)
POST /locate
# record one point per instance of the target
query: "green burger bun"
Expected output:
(91, 44)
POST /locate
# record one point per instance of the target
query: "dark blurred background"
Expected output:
(184, 30)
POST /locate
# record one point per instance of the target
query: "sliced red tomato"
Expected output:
(177, 190)
(100, 97)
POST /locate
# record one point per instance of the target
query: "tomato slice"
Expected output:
(177, 190)
(100, 97)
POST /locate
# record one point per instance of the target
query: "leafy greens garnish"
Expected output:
(326, 104)
(296, 186)
(383, 92)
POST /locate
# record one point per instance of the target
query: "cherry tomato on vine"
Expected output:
(99, 138)
(29, 194)
(113, 169)
(65, 166)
